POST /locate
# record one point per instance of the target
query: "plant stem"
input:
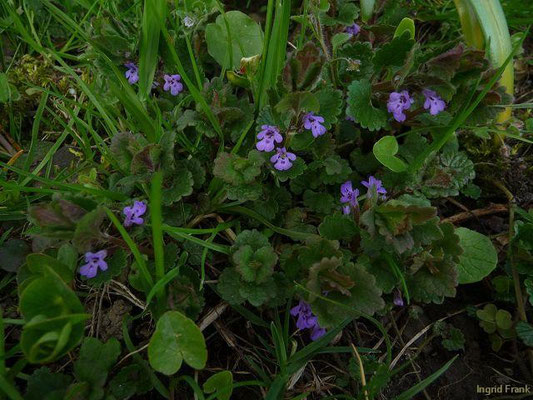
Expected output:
(516, 278)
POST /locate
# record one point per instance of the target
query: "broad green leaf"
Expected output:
(176, 339)
(94, 363)
(406, 25)
(385, 150)
(525, 332)
(479, 257)
(12, 254)
(337, 227)
(43, 384)
(221, 383)
(361, 109)
(339, 39)
(245, 39)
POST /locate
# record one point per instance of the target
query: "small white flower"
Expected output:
(188, 21)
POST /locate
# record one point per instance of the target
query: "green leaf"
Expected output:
(346, 15)
(331, 102)
(43, 384)
(297, 103)
(525, 332)
(245, 39)
(176, 339)
(339, 39)
(95, 362)
(337, 227)
(130, 380)
(361, 109)
(55, 319)
(479, 258)
(12, 254)
(303, 69)
(385, 150)
(406, 25)
(88, 230)
(394, 53)
(318, 201)
(221, 383)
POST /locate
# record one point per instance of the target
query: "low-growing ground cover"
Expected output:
(322, 199)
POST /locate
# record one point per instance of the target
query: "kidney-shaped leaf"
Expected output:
(246, 38)
(479, 256)
(176, 338)
(221, 383)
(385, 151)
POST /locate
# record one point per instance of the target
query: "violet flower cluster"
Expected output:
(399, 102)
(268, 137)
(282, 160)
(132, 74)
(94, 261)
(349, 197)
(172, 82)
(353, 30)
(307, 320)
(314, 123)
(134, 213)
(349, 194)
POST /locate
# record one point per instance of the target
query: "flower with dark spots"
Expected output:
(172, 83)
(433, 102)
(349, 197)
(132, 74)
(398, 103)
(133, 214)
(314, 123)
(307, 320)
(282, 160)
(353, 29)
(268, 136)
(374, 186)
(94, 261)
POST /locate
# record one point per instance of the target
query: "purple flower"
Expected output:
(307, 320)
(317, 332)
(353, 29)
(268, 136)
(314, 123)
(94, 261)
(172, 83)
(349, 196)
(398, 103)
(349, 118)
(398, 300)
(374, 185)
(132, 74)
(133, 214)
(282, 159)
(433, 102)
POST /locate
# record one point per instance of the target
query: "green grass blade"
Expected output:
(157, 229)
(141, 264)
(154, 15)
(411, 392)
